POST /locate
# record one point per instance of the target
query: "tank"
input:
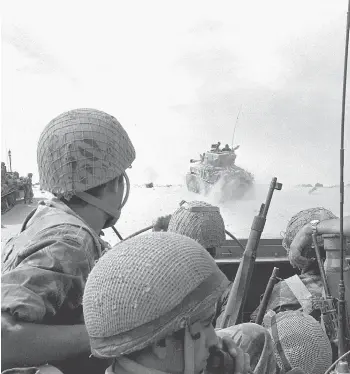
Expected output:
(217, 168)
(12, 187)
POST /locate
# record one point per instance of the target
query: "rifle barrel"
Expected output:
(267, 294)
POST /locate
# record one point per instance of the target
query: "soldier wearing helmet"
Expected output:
(299, 342)
(159, 321)
(82, 157)
(200, 221)
(28, 189)
(203, 223)
(303, 236)
(286, 295)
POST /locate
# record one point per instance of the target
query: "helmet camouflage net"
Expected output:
(199, 221)
(81, 149)
(147, 288)
(299, 342)
(301, 219)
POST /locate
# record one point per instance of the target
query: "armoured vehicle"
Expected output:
(11, 188)
(217, 168)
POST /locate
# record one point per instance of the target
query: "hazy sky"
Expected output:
(176, 73)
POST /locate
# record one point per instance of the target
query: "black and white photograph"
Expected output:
(175, 187)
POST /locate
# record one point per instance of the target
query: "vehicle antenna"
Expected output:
(341, 303)
(236, 123)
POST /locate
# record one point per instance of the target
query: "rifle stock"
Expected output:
(239, 289)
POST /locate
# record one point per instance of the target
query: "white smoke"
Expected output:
(150, 175)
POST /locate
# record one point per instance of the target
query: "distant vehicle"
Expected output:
(12, 188)
(217, 168)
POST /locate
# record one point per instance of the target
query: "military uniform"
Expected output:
(46, 266)
(45, 269)
(283, 297)
(28, 190)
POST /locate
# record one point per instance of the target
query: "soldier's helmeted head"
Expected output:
(200, 221)
(153, 296)
(83, 155)
(299, 342)
(297, 222)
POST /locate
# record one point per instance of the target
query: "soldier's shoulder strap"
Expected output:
(301, 292)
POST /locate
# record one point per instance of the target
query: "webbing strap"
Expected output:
(279, 348)
(301, 292)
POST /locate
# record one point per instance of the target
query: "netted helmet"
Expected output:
(199, 221)
(299, 342)
(147, 288)
(301, 219)
(81, 149)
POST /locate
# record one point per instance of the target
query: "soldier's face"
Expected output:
(114, 197)
(203, 337)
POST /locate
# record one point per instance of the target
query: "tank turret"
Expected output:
(218, 168)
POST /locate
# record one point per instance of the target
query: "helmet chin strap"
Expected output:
(188, 352)
(98, 203)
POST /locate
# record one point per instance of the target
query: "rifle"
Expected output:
(267, 294)
(328, 305)
(239, 289)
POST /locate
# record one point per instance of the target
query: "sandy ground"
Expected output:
(145, 205)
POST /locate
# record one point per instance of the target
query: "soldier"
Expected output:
(3, 172)
(299, 342)
(227, 148)
(203, 223)
(198, 220)
(215, 147)
(286, 294)
(303, 240)
(28, 189)
(303, 236)
(160, 321)
(82, 158)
